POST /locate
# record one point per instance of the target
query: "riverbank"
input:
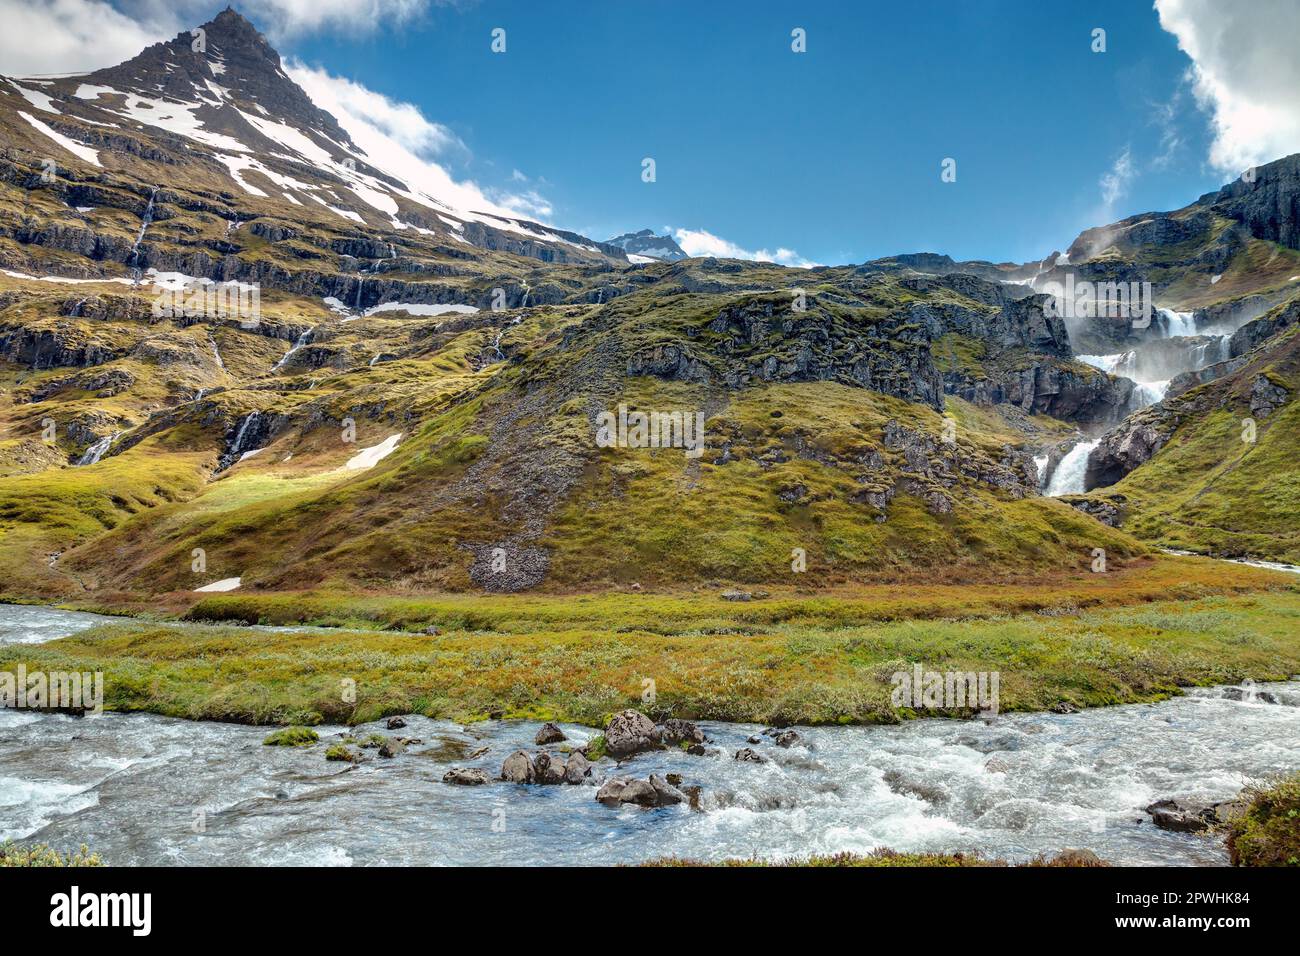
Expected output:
(810, 661)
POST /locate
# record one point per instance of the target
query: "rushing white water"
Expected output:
(1070, 471)
(1153, 364)
(145, 220)
(1041, 462)
(1148, 393)
(95, 452)
(1012, 787)
(1177, 324)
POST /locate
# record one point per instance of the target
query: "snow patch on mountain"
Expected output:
(72, 146)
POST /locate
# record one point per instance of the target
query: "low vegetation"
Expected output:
(892, 858)
(808, 662)
(1268, 833)
(38, 854)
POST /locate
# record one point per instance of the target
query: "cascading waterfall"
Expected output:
(145, 220)
(301, 341)
(249, 420)
(216, 354)
(1069, 474)
(1140, 363)
(1177, 324)
(95, 452)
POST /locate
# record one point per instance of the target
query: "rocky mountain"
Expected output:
(234, 350)
(649, 246)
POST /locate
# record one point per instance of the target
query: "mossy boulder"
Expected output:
(292, 737)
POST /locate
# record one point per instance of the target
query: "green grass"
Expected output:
(292, 737)
(1268, 834)
(808, 673)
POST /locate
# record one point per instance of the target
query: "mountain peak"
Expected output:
(645, 243)
(231, 32)
(226, 59)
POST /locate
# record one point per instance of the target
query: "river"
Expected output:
(143, 789)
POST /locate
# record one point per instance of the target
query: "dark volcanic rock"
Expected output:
(630, 732)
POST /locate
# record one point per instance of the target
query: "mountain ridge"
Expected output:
(413, 405)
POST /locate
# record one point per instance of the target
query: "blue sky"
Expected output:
(833, 155)
(835, 152)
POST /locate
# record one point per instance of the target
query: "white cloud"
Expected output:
(398, 139)
(698, 242)
(67, 36)
(1114, 184)
(281, 18)
(1245, 74)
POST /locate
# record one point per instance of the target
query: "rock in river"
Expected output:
(630, 732)
(549, 734)
(466, 776)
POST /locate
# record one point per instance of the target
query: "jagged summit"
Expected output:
(226, 61)
(646, 243)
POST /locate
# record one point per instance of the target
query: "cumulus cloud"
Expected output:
(399, 139)
(1245, 75)
(699, 242)
(67, 36)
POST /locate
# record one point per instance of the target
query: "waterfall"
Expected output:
(238, 446)
(216, 353)
(1041, 462)
(1148, 393)
(356, 306)
(144, 225)
(1069, 474)
(1177, 324)
(302, 340)
(1122, 363)
(96, 451)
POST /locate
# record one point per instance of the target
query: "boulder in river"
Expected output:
(655, 792)
(395, 723)
(1190, 816)
(518, 768)
(749, 755)
(548, 769)
(1180, 816)
(549, 734)
(630, 732)
(466, 776)
(665, 793)
(577, 769)
(392, 746)
(674, 730)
